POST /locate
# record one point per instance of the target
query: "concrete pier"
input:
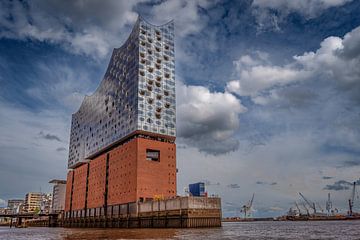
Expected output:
(180, 212)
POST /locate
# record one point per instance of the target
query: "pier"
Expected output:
(33, 219)
(180, 212)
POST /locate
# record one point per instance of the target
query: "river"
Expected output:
(346, 230)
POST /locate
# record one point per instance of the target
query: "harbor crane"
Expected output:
(351, 199)
(297, 206)
(306, 209)
(311, 204)
(329, 205)
(246, 209)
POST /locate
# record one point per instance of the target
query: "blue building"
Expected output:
(197, 189)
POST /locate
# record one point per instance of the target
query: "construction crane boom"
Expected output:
(306, 209)
(246, 209)
(297, 206)
(311, 204)
(351, 200)
(252, 200)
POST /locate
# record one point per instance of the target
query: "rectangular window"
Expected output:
(152, 155)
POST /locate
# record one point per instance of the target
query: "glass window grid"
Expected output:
(116, 108)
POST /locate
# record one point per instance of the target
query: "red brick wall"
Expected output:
(97, 174)
(122, 174)
(131, 176)
(78, 201)
(156, 178)
(68, 190)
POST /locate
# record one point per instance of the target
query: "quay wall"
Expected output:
(180, 212)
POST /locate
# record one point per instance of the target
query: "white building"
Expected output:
(58, 196)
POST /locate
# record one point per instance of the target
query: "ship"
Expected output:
(295, 214)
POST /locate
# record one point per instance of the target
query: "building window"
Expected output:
(152, 155)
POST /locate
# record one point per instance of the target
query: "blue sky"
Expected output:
(268, 92)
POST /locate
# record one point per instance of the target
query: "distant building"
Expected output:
(4, 211)
(32, 202)
(15, 205)
(46, 203)
(59, 190)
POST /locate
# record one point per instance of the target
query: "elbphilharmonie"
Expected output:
(122, 153)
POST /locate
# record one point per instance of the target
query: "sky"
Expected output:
(268, 93)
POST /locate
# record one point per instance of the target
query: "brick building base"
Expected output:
(138, 170)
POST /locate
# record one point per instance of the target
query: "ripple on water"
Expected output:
(347, 230)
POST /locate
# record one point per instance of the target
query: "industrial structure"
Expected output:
(314, 211)
(247, 208)
(122, 144)
(197, 189)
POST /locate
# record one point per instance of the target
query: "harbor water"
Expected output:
(346, 230)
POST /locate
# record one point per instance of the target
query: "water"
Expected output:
(252, 230)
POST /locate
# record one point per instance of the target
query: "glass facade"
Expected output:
(136, 93)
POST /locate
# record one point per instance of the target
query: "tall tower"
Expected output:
(122, 141)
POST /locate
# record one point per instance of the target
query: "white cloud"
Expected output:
(2, 202)
(92, 27)
(185, 12)
(308, 8)
(208, 120)
(351, 44)
(258, 78)
(256, 74)
(270, 14)
(336, 61)
(64, 84)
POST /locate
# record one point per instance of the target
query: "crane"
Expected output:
(328, 204)
(297, 206)
(311, 204)
(351, 199)
(246, 209)
(307, 210)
